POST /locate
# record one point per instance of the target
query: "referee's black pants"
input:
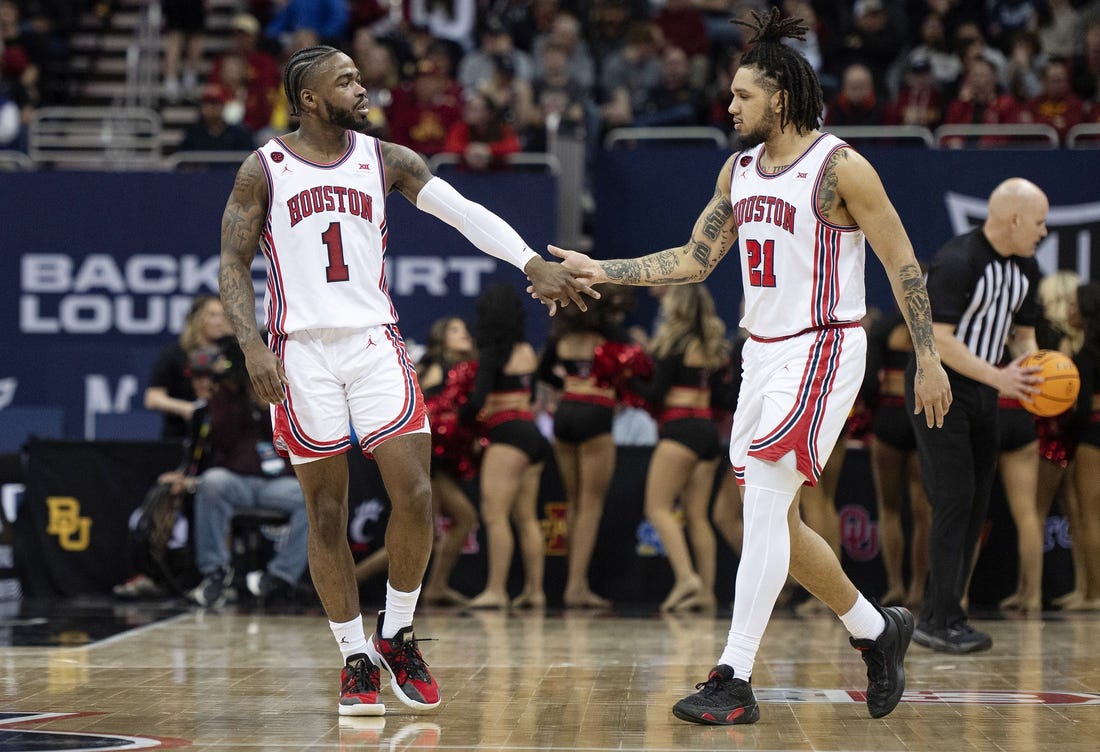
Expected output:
(958, 465)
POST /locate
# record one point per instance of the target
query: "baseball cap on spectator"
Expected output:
(246, 23)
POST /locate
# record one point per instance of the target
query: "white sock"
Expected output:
(350, 636)
(765, 559)
(863, 621)
(399, 610)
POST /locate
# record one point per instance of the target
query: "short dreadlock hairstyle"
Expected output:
(294, 74)
(784, 69)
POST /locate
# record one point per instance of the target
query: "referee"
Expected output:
(982, 287)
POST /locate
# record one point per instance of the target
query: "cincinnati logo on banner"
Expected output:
(1073, 241)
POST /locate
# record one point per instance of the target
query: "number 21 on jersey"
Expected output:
(761, 262)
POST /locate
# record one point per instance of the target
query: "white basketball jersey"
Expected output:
(325, 239)
(799, 270)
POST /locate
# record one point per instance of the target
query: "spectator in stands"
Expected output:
(980, 102)
(607, 27)
(944, 63)
(12, 134)
(629, 74)
(683, 25)
(856, 103)
(675, 101)
(872, 39)
(184, 37)
(478, 67)
(811, 46)
(19, 73)
(527, 20)
(44, 30)
(565, 32)
(423, 110)
(1057, 105)
(1025, 66)
(481, 138)
(170, 390)
(919, 101)
(328, 19)
(1005, 18)
(212, 132)
(970, 44)
(557, 100)
(1086, 67)
(508, 93)
(1060, 29)
(262, 77)
(242, 472)
(378, 67)
(452, 21)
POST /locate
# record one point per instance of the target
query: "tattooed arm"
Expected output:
(407, 174)
(242, 222)
(852, 193)
(711, 238)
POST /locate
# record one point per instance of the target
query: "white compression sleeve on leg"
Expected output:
(481, 227)
(765, 559)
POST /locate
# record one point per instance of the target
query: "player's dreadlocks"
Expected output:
(296, 69)
(784, 69)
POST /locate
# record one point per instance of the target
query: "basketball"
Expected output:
(1061, 382)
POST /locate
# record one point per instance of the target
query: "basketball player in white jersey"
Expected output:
(314, 202)
(801, 202)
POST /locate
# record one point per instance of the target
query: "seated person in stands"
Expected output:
(212, 132)
(171, 390)
(241, 471)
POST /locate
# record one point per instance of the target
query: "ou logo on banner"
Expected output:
(858, 533)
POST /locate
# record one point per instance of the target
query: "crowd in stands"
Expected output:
(586, 66)
(484, 78)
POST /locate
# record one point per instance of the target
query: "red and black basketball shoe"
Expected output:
(409, 675)
(359, 687)
(722, 700)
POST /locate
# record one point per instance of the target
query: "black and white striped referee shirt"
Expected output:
(982, 293)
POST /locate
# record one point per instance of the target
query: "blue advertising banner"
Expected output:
(97, 271)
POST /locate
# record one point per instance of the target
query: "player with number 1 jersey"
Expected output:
(326, 225)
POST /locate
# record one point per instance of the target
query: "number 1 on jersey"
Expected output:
(337, 270)
(761, 263)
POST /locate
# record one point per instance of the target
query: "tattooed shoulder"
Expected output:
(828, 197)
(403, 165)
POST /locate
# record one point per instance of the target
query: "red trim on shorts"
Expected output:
(837, 325)
(591, 399)
(680, 413)
(505, 416)
(1008, 403)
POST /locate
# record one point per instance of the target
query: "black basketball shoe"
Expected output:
(722, 700)
(885, 657)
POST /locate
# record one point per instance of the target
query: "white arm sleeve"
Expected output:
(481, 227)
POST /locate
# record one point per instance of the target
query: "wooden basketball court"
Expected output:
(559, 680)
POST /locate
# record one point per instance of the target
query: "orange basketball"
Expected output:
(1061, 382)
